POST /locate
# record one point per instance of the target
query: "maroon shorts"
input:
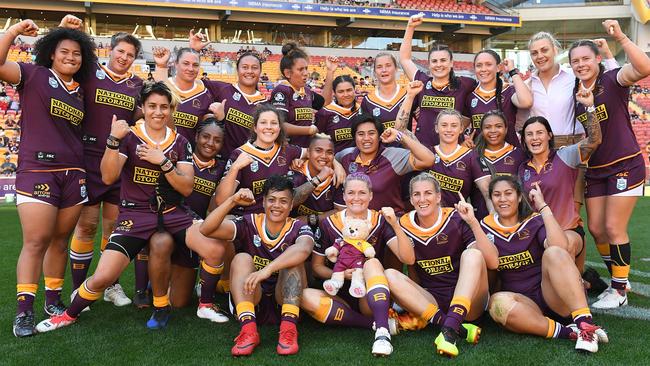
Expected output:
(538, 298)
(182, 255)
(348, 262)
(443, 296)
(266, 312)
(142, 223)
(617, 178)
(61, 188)
(99, 192)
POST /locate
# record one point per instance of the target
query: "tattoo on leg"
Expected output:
(292, 287)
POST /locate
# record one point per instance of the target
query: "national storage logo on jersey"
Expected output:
(436, 266)
(304, 114)
(204, 186)
(186, 120)
(429, 101)
(239, 118)
(476, 120)
(146, 176)
(66, 111)
(515, 261)
(343, 134)
(448, 183)
(114, 99)
(601, 114)
(258, 186)
(260, 262)
(304, 211)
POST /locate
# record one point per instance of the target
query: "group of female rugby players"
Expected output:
(406, 160)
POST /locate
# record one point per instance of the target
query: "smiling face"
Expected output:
(585, 63)
(267, 128)
(298, 73)
(486, 68)
(321, 154)
(344, 94)
(66, 59)
(248, 71)
(187, 67)
(121, 57)
(357, 197)
(209, 142)
(425, 199)
(157, 110)
(494, 132)
(440, 64)
(505, 200)
(537, 138)
(385, 69)
(449, 127)
(367, 138)
(543, 54)
(277, 205)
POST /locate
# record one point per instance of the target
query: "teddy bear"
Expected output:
(350, 253)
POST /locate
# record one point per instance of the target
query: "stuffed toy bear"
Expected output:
(350, 253)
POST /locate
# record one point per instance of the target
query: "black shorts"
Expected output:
(182, 255)
(130, 246)
(580, 231)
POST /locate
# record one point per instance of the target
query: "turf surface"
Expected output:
(111, 335)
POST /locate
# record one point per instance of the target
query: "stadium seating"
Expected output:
(444, 6)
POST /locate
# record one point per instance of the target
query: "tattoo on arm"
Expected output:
(301, 193)
(594, 138)
(292, 287)
(402, 119)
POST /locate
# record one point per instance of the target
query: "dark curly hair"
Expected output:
(45, 47)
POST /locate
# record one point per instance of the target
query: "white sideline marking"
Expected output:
(631, 312)
(635, 272)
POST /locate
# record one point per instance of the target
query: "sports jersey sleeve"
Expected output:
(338, 196)
(304, 230)
(326, 239)
(241, 233)
(184, 151)
(570, 155)
(124, 145)
(541, 233)
(293, 152)
(26, 71)
(341, 154)
(216, 88)
(419, 75)
(233, 157)
(321, 120)
(467, 235)
(279, 99)
(387, 233)
(400, 159)
(479, 171)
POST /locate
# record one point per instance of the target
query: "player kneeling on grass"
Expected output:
(453, 284)
(267, 272)
(540, 284)
(154, 164)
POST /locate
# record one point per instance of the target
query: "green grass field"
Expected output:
(114, 335)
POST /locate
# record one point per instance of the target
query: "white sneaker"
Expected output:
(612, 299)
(382, 347)
(600, 332)
(116, 295)
(628, 288)
(588, 338)
(211, 312)
(72, 295)
(393, 326)
(55, 322)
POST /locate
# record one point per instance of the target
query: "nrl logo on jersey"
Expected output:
(428, 86)
(53, 83)
(474, 102)
(255, 166)
(336, 119)
(257, 241)
(100, 74)
(376, 112)
(237, 96)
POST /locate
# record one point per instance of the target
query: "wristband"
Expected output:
(543, 207)
(311, 181)
(112, 142)
(399, 137)
(513, 72)
(591, 109)
(166, 165)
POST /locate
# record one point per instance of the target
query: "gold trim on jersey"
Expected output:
(425, 235)
(342, 111)
(259, 220)
(185, 95)
(202, 164)
(389, 105)
(71, 88)
(300, 92)
(337, 221)
(266, 157)
(321, 188)
(251, 99)
(140, 131)
(491, 223)
(495, 156)
(116, 78)
(458, 154)
(486, 96)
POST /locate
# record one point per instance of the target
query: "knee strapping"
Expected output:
(501, 306)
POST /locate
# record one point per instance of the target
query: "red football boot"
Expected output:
(288, 340)
(246, 341)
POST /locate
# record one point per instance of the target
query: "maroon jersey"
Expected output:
(520, 252)
(139, 178)
(321, 199)
(336, 121)
(557, 180)
(238, 112)
(251, 237)
(50, 135)
(194, 104)
(505, 161)
(265, 163)
(457, 172)
(480, 102)
(206, 177)
(298, 106)
(432, 100)
(107, 94)
(381, 233)
(619, 142)
(438, 248)
(385, 172)
(383, 109)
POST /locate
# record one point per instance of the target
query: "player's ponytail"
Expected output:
(290, 53)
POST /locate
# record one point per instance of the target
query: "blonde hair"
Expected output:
(544, 35)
